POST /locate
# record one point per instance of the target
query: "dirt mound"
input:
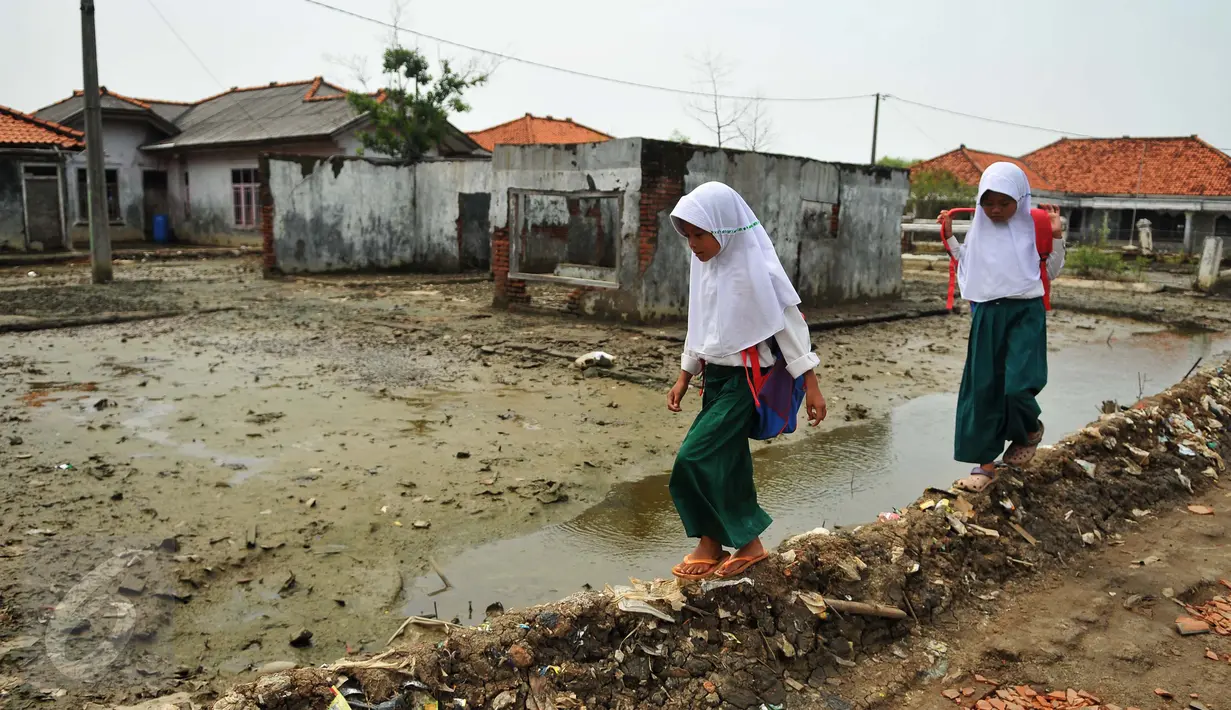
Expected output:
(821, 602)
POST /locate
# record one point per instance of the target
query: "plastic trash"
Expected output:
(636, 606)
(597, 358)
(889, 517)
(710, 585)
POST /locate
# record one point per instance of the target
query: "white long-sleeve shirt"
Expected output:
(1055, 264)
(794, 342)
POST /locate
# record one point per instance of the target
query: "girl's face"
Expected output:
(701, 242)
(998, 206)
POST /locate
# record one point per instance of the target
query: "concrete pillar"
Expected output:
(1145, 235)
(1188, 232)
(1211, 261)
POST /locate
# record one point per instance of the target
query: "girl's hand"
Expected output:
(677, 392)
(1057, 222)
(814, 401)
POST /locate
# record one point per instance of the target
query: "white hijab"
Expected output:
(1000, 260)
(737, 299)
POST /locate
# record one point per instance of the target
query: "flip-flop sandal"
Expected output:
(1019, 455)
(690, 560)
(724, 570)
(977, 482)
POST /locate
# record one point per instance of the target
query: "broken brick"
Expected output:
(1025, 691)
(1211, 655)
(952, 694)
(997, 703)
(1071, 697)
(1164, 694)
(984, 705)
(1200, 510)
(1188, 626)
(1058, 695)
(968, 692)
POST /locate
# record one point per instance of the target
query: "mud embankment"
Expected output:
(790, 625)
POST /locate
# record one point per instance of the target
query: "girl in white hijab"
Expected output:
(1006, 357)
(740, 300)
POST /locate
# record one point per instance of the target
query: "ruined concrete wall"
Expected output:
(451, 212)
(12, 211)
(836, 228)
(348, 215)
(612, 166)
(865, 259)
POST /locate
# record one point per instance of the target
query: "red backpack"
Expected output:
(1042, 242)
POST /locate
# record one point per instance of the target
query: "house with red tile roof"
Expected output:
(196, 162)
(33, 154)
(536, 130)
(1180, 185)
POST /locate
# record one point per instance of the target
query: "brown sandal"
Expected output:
(978, 481)
(1019, 455)
(736, 566)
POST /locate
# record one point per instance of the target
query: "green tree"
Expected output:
(410, 116)
(934, 190)
(891, 162)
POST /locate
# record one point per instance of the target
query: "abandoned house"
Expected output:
(536, 130)
(33, 185)
(1106, 186)
(588, 225)
(197, 162)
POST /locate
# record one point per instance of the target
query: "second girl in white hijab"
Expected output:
(1006, 356)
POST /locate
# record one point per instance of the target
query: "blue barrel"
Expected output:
(162, 229)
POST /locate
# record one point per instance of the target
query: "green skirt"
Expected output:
(1006, 368)
(711, 482)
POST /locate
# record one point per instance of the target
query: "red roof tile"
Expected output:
(967, 165)
(1135, 166)
(18, 129)
(533, 130)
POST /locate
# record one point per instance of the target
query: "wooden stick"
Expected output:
(863, 609)
(101, 319)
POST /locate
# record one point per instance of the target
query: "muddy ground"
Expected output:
(290, 464)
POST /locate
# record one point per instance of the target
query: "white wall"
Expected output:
(122, 139)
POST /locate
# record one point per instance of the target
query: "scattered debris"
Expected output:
(1200, 510)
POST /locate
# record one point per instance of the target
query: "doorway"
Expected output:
(154, 191)
(44, 217)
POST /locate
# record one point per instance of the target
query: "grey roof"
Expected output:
(164, 113)
(252, 115)
(277, 112)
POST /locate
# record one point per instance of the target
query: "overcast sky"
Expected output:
(1097, 67)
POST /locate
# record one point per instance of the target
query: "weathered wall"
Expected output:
(613, 166)
(836, 228)
(203, 208)
(122, 141)
(12, 215)
(831, 257)
(346, 215)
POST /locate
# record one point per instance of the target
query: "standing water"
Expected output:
(842, 477)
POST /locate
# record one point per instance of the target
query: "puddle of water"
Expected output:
(144, 426)
(842, 477)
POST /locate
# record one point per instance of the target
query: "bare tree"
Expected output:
(757, 129)
(720, 116)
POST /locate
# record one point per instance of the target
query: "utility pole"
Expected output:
(876, 119)
(100, 239)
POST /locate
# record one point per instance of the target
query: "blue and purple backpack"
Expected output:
(777, 395)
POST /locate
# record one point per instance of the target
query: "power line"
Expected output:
(586, 75)
(985, 118)
(201, 62)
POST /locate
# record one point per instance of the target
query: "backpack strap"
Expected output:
(1043, 239)
(752, 372)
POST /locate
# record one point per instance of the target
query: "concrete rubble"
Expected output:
(821, 604)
